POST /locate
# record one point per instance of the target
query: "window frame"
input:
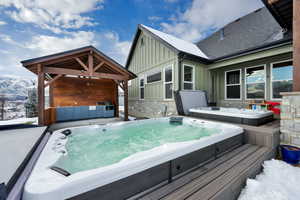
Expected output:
(240, 84)
(265, 82)
(141, 78)
(271, 78)
(193, 76)
(164, 80)
(152, 73)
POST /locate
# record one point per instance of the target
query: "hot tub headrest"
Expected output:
(67, 132)
(60, 170)
(176, 120)
(188, 99)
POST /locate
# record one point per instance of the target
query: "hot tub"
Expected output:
(235, 115)
(116, 161)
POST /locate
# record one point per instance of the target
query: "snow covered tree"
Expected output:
(2, 104)
(32, 103)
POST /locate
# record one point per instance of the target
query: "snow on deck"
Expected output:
(181, 45)
(19, 121)
(278, 181)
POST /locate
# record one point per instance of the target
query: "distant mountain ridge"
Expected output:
(15, 88)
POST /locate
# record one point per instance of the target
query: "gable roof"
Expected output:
(178, 45)
(65, 59)
(256, 29)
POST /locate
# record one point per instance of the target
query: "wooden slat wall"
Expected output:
(69, 91)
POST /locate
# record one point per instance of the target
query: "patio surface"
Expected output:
(15, 144)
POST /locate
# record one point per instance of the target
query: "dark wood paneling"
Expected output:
(68, 91)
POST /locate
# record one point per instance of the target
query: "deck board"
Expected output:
(217, 184)
(193, 181)
(195, 185)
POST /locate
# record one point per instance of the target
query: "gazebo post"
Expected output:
(41, 94)
(126, 100)
(117, 99)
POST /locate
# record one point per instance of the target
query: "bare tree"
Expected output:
(2, 104)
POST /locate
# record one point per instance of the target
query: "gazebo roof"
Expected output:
(77, 61)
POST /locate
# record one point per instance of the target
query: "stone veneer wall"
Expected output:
(290, 118)
(150, 109)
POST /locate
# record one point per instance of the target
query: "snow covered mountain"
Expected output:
(15, 88)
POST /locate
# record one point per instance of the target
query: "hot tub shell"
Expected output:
(255, 119)
(131, 175)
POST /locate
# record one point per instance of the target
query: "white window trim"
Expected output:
(240, 84)
(193, 76)
(151, 73)
(140, 78)
(271, 78)
(265, 82)
(164, 78)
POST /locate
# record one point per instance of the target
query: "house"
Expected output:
(248, 59)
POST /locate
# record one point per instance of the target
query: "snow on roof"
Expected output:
(179, 44)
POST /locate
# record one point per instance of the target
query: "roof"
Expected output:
(258, 28)
(179, 45)
(66, 58)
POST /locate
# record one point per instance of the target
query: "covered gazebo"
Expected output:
(83, 77)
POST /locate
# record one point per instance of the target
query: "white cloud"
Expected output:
(2, 22)
(205, 15)
(154, 18)
(117, 49)
(54, 15)
(44, 44)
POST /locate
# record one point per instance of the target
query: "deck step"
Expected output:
(211, 189)
(214, 168)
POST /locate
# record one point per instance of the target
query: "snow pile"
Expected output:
(19, 121)
(278, 181)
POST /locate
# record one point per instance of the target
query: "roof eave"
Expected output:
(254, 50)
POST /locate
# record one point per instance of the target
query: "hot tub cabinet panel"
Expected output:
(166, 172)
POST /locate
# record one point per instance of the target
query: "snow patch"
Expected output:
(19, 121)
(278, 181)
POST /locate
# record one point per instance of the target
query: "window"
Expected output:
(255, 79)
(168, 82)
(281, 78)
(233, 84)
(142, 88)
(188, 77)
(154, 77)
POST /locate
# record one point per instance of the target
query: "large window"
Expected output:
(142, 88)
(188, 77)
(233, 84)
(281, 78)
(154, 77)
(168, 82)
(255, 82)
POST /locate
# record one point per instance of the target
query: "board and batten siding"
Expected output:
(152, 55)
(202, 75)
(219, 79)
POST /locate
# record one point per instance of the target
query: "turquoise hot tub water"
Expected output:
(94, 147)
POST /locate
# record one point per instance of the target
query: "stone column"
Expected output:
(290, 118)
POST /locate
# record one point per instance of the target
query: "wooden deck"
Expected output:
(222, 178)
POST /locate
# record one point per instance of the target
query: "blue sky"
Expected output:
(32, 28)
